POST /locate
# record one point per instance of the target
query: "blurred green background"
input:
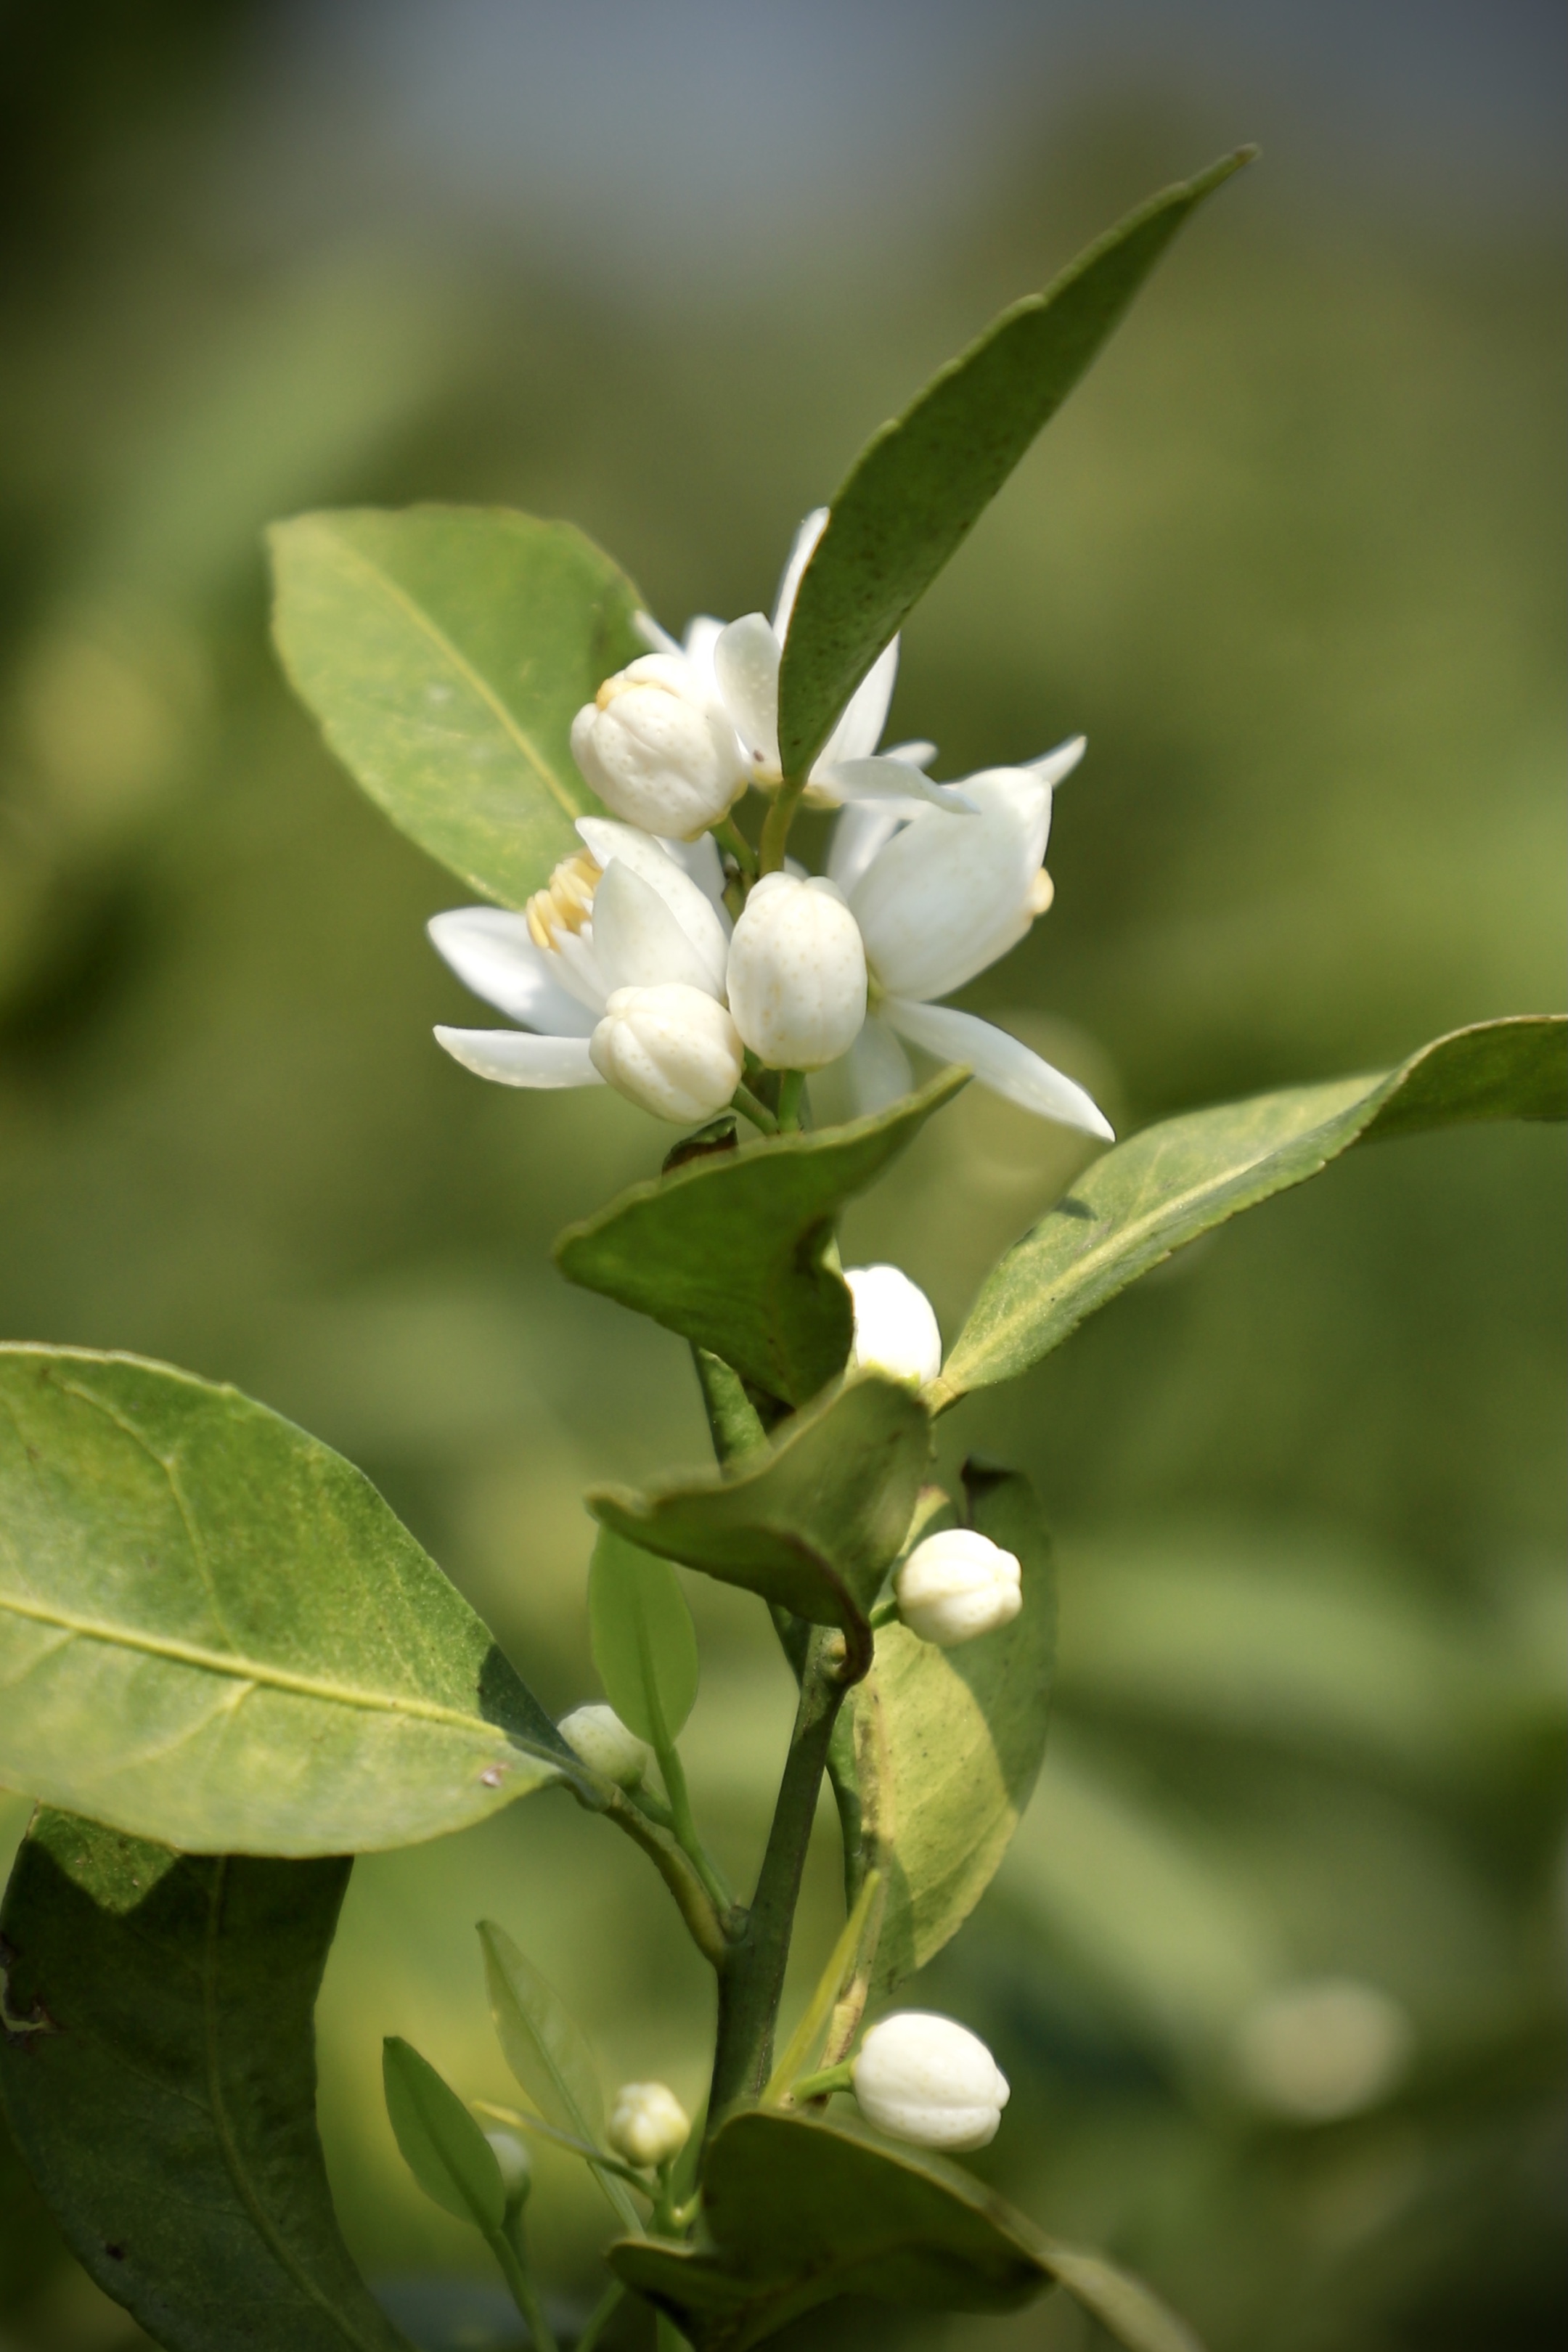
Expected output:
(1274, 1964)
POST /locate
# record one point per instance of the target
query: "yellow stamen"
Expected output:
(566, 902)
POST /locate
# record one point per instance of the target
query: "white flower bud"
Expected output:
(671, 1049)
(516, 2171)
(956, 1585)
(796, 980)
(895, 1326)
(647, 2123)
(657, 750)
(598, 1736)
(925, 2079)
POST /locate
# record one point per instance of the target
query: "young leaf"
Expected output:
(548, 2051)
(441, 2144)
(162, 2085)
(814, 1522)
(1175, 1181)
(731, 1252)
(948, 1744)
(213, 1632)
(645, 1644)
(446, 651)
(798, 2212)
(919, 485)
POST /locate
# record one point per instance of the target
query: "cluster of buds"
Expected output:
(644, 965)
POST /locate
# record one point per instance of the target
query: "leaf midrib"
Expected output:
(239, 1669)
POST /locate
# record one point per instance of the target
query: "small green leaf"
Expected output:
(1178, 1181)
(948, 1744)
(441, 2144)
(160, 2079)
(645, 1644)
(446, 651)
(811, 1524)
(732, 1253)
(798, 2212)
(919, 485)
(213, 1632)
(547, 2051)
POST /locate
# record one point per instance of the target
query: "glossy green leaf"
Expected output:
(1175, 1181)
(548, 2051)
(798, 2212)
(159, 2078)
(439, 2140)
(921, 483)
(644, 1641)
(731, 1252)
(948, 1744)
(446, 651)
(213, 1632)
(813, 1523)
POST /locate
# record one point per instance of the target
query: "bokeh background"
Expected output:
(1274, 1965)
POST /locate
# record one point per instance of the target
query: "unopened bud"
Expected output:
(598, 1736)
(924, 2079)
(895, 1328)
(796, 980)
(516, 2171)
(657, 750)
(956, 1585)
(671, 1049)
(647, 2123)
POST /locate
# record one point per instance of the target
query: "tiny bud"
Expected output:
(647, 2123)
(516, 2171)
(796, 980)
(598, 1736)
(924, 2079)
(657, 750)
(894, 1329)
(671, 1050)
(956, 1585)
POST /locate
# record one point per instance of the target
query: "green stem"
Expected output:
(686, 1828)
(746, 1101)
(728, 835)
(776, 825)
(599, 2318)
(679, 1873)
(790, 1093)
(508, 2249)
(817, 2086)
(752, 1979)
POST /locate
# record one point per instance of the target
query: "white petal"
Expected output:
(859, 726)
(701, 862)
(1052, 766)
(491, 951)
(874, 1072)
(917, 754)
(948, 895)
(657, 640)
(651, 862)
(800, 555)
(702, 633)
(513, 1058)
(893, 782)
(863, 830)
(746, 665)
(637, 943)
(998, 1061)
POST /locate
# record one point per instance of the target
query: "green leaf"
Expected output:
(811, 1524)
(948, 1744)
(162, 2085)
(446, 651)
(919, 485)
(441, 2144)
(645, 1644)
(798, 2212)
(1178, 1181)
(213, 1632)
(548, 2051)
(732, 1252)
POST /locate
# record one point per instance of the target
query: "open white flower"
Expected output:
(736, 665)
(616, 973)
(938, 896)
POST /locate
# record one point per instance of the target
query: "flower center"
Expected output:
(566, 901)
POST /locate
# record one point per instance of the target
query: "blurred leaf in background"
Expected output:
(1274, 1964)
